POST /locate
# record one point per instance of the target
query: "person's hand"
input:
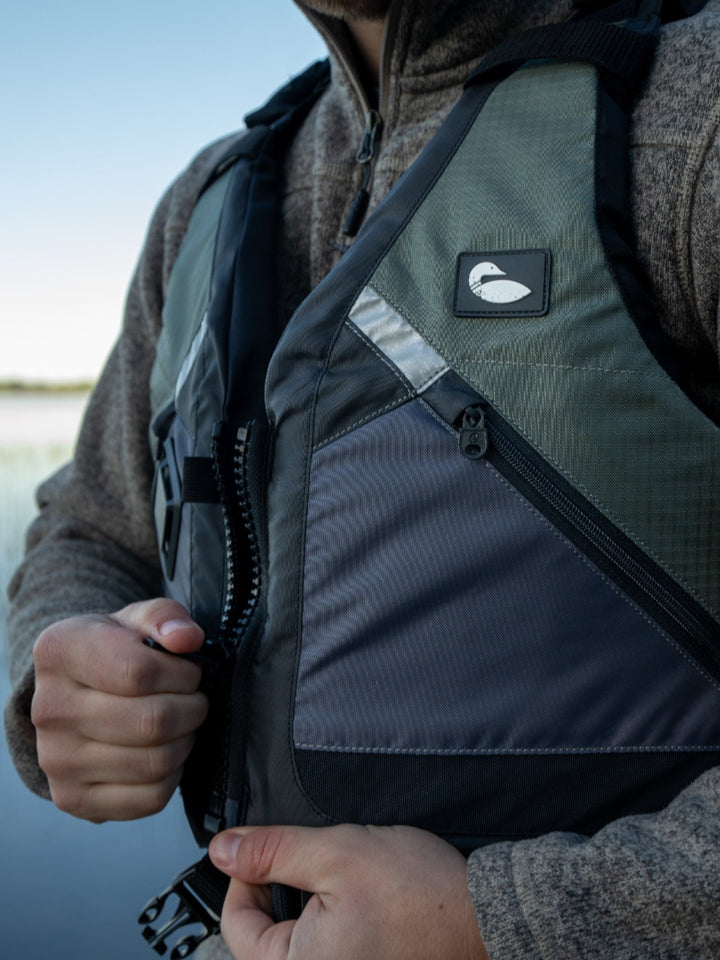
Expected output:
(379, 893)
(115, 720)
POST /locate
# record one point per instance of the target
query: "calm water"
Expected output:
(69, 890)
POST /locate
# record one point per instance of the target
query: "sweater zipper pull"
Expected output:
(365, 157)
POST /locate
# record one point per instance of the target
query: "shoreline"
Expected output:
(41, 386)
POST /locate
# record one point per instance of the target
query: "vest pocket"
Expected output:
(448, 613)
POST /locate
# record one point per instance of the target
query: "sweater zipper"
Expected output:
(373, 121)
(484, 435)
(366, 158)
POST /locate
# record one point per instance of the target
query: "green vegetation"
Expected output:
(32, 386)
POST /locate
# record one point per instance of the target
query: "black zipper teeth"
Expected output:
(219, 788)
(535, 476)
(226, 507)
(233, 520)
(245, 515)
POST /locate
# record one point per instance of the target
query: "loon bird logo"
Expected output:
(494, 290)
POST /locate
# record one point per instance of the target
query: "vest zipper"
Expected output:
(242, 552)
(240, 616)
(243, 567)
(485, 434)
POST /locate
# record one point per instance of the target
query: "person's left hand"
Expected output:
(380, 893)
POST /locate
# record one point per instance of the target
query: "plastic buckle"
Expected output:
(167, 505)
(191, 911)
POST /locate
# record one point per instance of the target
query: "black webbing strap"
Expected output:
(306, 85)
(606, 12)
(249, 141)
(198, 481)
(625, 9)
(611, 48)
(241, 312)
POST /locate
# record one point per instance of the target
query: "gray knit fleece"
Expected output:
(643, 887)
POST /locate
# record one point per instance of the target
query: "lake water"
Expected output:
(68, 889)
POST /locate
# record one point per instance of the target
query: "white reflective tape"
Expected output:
(191, 357)
(396, 339)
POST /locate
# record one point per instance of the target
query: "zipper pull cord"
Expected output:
(365, 157)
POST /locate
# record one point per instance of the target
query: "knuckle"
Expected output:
(162, 762)
(67, 798)
(48, 709)
(50, 763)
(47, 653)
(62, 759)
(261, 850)
(155, 721)
(42, 710)
(134, 674)
(157, 795)
(89, 803)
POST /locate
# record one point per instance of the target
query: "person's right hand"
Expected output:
(116, 720)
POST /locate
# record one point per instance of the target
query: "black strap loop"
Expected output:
(613, 49)
(307, 86)
(625, 9)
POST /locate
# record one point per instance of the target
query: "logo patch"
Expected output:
(503, 283)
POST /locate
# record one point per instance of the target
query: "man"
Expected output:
(115, 722)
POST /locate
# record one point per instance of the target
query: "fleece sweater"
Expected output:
(644, 886)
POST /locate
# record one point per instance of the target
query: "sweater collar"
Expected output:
(431, 43)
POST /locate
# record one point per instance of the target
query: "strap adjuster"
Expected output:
(167, 503)
(200, 891)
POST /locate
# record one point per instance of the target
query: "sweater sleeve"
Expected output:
(92, 547)
(643, 888)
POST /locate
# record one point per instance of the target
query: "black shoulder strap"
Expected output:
(242, 303)
(624, 9)
(283, 104)
(612, 48)
(307, 85)
(618, 38)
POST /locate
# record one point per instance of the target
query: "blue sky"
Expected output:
(101, 105)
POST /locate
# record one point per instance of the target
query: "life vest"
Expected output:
(466, 514)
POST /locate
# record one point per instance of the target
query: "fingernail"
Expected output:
(170, 626)
(224, 848)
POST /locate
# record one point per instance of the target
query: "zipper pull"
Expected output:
(365, 157)
(474, 440)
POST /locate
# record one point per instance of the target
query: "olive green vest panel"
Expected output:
(187, 298)
(580, 385)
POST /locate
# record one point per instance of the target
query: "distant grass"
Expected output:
(41, 386)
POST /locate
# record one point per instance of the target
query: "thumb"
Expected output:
(297, 856)
(164, 621)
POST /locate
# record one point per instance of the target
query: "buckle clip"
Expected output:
(167, 501)
(191, 911)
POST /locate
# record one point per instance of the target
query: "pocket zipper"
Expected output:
(484, 434)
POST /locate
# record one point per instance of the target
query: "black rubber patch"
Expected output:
(512, 283)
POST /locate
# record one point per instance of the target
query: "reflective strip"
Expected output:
(191, 356)
(397, 340)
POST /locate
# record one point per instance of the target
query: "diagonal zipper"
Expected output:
(484, 434)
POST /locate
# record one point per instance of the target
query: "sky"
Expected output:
(101, 105)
